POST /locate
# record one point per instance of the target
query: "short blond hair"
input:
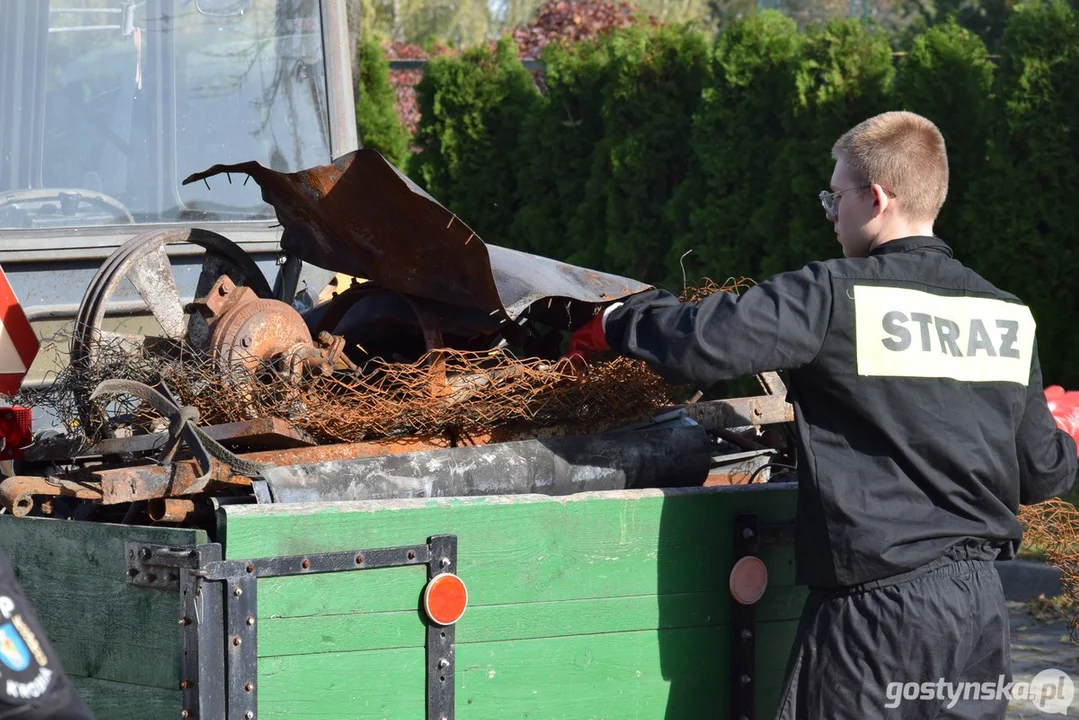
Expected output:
(904, 153)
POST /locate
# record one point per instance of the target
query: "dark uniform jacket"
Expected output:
(33, 685)
(921, 416)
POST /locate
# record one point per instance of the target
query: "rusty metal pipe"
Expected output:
(741, 412)
(171, 510)
(146, 482)
(17, 493)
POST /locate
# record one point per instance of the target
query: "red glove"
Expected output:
(587, 340)
(1064, 406)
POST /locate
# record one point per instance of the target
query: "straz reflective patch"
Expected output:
(910, 333)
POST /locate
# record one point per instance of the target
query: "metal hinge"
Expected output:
(158, 566)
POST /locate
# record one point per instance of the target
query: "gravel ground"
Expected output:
(1037, 647)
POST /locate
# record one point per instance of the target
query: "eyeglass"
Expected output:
(830, 200)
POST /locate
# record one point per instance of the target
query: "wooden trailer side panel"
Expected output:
(602, 605)
(119, 643)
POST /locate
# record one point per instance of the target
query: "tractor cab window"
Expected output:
(107, 105)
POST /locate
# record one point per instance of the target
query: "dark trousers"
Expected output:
(858, 649)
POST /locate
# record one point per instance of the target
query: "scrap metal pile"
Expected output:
(1053, 527)
(437, 373)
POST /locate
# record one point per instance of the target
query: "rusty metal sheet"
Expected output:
(267, 433)
(348, 451)
(361, 216)
(740, 468)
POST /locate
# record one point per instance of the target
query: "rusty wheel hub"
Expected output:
(251, 334)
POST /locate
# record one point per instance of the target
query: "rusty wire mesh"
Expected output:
(1053, 528)
(446, 391)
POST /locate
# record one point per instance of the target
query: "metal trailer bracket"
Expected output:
(219, 614)
(748, 538)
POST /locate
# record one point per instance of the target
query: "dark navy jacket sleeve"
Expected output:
(777, 325)
(1047, 454)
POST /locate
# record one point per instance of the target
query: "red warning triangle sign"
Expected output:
(18, 343)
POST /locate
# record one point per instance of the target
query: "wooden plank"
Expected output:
(121, 701)
(679, 673)
(514, 549)
(527, 621)
(73, 574)
(392, 589)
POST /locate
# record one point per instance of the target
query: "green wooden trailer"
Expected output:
(595, 605)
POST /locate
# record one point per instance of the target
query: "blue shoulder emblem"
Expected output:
(13, 650)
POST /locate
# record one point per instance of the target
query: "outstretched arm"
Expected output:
(776, 325)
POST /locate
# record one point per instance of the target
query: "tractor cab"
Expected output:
(107, 105)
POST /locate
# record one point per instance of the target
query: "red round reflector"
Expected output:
(445, 599)
(749, 580)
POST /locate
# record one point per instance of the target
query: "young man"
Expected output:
(922, 425)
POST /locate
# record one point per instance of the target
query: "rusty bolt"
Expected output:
(250, 568)
(184, 684)
(249, 687)
(236, 641)
(246, 341)
(185, 714)
(325, 338)
(185, 621)
(359, 559)
(250, 620)
(237, 592)
(411, 555)
(224, 288)
(305, 564)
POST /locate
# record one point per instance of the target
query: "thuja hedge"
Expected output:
(377, 122)
(655, 153)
